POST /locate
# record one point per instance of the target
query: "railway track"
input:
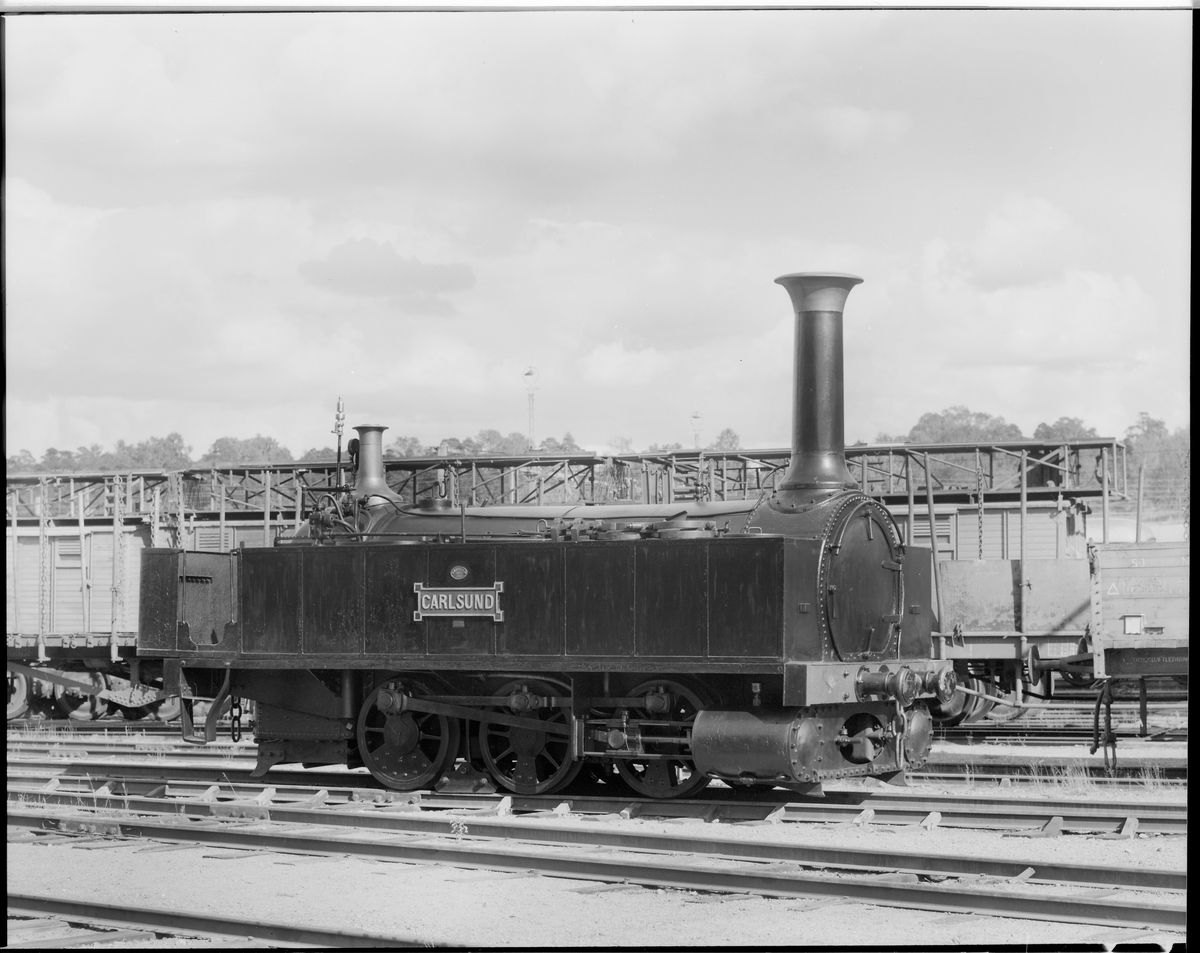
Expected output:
(958, 764)
(111, 783)
(490, 838)
(54, 922)
(133, 793)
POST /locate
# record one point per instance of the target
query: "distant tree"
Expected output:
(58, 461)
(960, 425)
(664, 448)
(1146, 430)
(154, 453)
(1065, 428)
(405, 447)
(166, 453)
(1166, 457)
(320, 456)
(726, 440)
(453, 447)
(564, 447)
(491, 442)
(231, 451)
(621, 445)
(22, 462)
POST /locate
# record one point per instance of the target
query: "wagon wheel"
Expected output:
(1006, 708)
(952, 713)
(405, 750)
(664, 777)
(78, 706)
(166, 710)
(18, 695)
(526, 760)
(979, 707)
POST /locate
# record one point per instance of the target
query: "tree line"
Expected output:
(1166, 455)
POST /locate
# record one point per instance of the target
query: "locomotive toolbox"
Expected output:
(780, 640)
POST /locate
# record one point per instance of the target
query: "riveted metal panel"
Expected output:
(271, 593)
(158, 601)
(1058, 596)
(207, 594)
(333, 600)
(671, 601)
(803, 632)
(916, 625)
(745, 597)
(533, 624)
(1148, 582)
(389, 574)
(599, 597)
(979, 595)
(462, 566)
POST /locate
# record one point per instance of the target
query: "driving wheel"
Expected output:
(405, 750)
(530, 759)
(667, 770)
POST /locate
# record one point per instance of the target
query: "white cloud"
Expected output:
(621, 189)
(852, 127)
(1027, 239)
(613, 366)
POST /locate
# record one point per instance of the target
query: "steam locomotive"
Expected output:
(780, 641)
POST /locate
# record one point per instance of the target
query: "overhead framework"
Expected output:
(280, 493)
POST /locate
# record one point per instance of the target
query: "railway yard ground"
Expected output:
(167, 836)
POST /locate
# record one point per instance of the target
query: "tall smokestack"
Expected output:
(818, 404)
(370, 480)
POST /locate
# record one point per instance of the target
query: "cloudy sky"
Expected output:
(218, 224)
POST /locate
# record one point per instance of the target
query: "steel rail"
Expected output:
(965, 810)
(661, 870)
(183, 921)
(482, 825)
(970, 775)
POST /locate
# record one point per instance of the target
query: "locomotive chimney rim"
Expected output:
(818, 290)
(370, 480)
(818, 405)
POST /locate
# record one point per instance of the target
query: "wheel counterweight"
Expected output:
(405, 750)
(526, 760)
(664, 776)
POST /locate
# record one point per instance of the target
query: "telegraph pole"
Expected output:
(531, 376)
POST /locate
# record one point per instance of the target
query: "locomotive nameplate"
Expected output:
(466, 601)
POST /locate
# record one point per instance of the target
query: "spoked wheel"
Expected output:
(18, 695)
(978, 707)
(1007, 709)
(529, 760)
(165, 710)
(406, 750)
(954, 712)
(77, 705)
(668, 771)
